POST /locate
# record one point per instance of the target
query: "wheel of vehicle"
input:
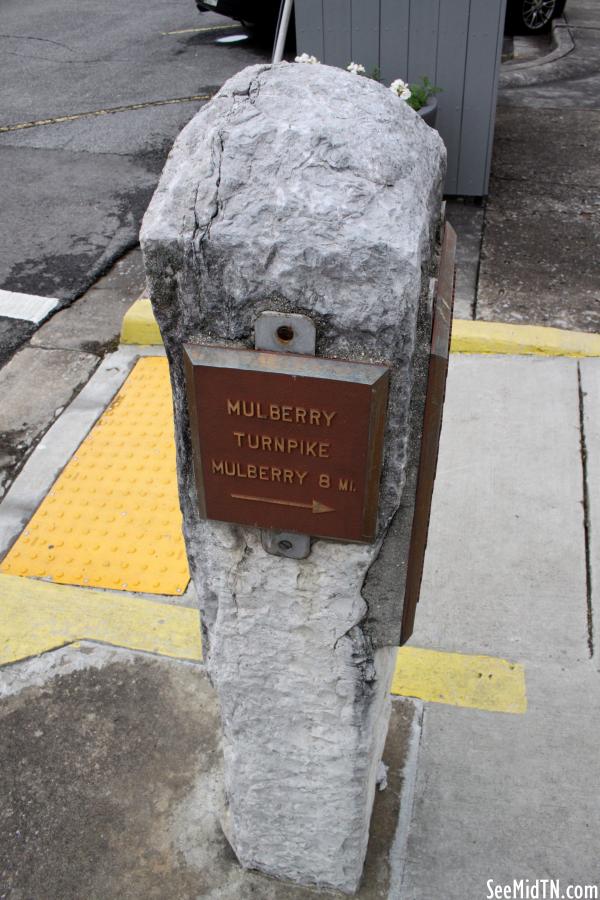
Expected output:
(533, 16)
(263, 29)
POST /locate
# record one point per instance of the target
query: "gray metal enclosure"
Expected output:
(456, 43)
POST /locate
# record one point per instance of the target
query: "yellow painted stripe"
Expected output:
(139, 327)
(521, 340)
(481, 682)
(38, 616)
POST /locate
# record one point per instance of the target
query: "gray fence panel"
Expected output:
(479, 98)
(450, 75)
(393, 39)
(365, 34)
(309, 27)
(337, 28)
(456, 43)
(494, 92)
(423, 39)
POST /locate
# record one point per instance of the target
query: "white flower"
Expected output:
(400, 88)
(305, 58)
(356, 68)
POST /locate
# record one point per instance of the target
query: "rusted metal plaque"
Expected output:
(287, 442)
(432, 426)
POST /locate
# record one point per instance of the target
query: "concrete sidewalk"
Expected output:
(512, 568)
(484, 794)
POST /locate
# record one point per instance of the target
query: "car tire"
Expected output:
(534, 16)
(260, 31)
(263, 31)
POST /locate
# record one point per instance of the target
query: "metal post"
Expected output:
(282, 30)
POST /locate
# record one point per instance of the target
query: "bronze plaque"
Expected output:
(287, 442)
(432, 427)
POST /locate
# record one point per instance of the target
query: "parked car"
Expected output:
(531, 16)
(257, 16)
(261, 16)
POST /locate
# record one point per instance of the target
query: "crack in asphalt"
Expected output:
(67, 62)
(55, 120)
(27, 37)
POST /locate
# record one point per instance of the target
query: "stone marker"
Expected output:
(302, 197)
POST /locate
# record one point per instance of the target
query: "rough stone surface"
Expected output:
(303, 189)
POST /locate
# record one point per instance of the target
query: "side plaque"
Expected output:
(432, 428)
(287, 442)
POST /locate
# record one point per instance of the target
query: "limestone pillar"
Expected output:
(299, 189)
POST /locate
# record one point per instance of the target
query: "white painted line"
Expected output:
(206, 28)
(29, 307)
(232, 39)
(62, 440)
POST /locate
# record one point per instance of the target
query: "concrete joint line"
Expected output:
(586, 515)
(478, 269)
(399, 851)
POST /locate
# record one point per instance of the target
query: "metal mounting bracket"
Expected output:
(291, 333)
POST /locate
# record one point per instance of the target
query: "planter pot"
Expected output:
(429, 112)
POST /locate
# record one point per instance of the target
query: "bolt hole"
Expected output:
(285, 545)
(285, 334)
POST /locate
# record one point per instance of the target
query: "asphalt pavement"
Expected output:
(539, 254)
(74, 191)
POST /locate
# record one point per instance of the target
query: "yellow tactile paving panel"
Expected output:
(112, 518)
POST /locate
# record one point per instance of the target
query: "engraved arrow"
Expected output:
(315, 506)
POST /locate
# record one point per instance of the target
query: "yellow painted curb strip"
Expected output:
(37, 616)
(139, 325)
(480, 682)
(521, 340)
